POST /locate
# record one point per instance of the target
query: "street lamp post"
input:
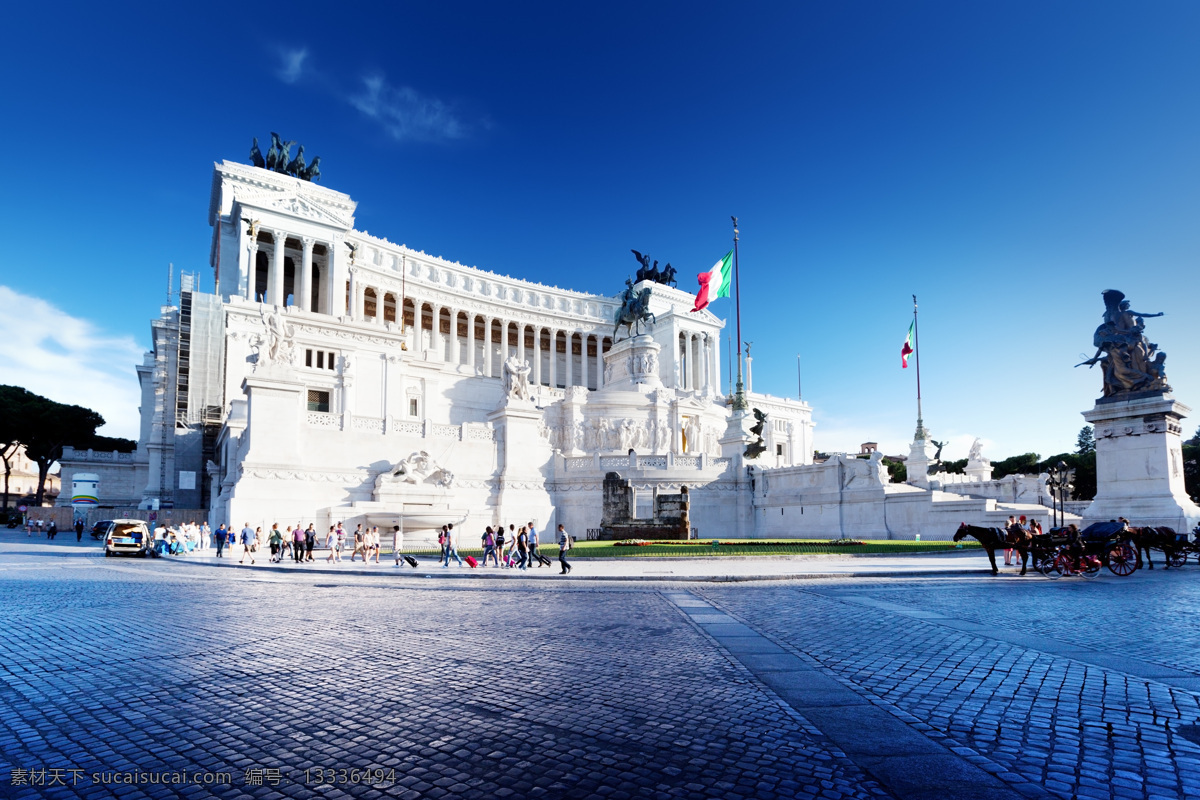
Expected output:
(1059, 481)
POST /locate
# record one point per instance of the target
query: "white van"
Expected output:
(128, 537)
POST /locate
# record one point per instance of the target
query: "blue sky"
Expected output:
(1004, 161)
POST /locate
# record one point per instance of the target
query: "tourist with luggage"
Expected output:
(535, 553)
(451, 546)
(564, 544)
(397, 542)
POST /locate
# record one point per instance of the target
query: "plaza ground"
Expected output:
(929, 680)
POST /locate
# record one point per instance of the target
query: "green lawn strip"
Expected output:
(727, 547)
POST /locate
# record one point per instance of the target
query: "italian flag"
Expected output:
(715, 282)
(907, 350)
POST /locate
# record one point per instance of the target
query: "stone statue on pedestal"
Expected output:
(277, 345)
(1129, 362)
(516, 379)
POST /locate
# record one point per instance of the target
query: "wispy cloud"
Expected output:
(291, 63)
(406, 114)
(69, 360)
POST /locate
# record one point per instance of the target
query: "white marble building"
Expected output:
(343, 354)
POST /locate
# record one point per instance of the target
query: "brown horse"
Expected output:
(1014, 537)
(1161, 537)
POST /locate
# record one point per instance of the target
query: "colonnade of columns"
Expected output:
(557, 357)
(272, 253)
(697, 362)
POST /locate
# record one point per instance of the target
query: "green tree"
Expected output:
(1084, 464)
(1191, 470)
(896, 470)
(51, 425)
(1086, 441)
(959, 466)
(14, 416)
(1026, 464)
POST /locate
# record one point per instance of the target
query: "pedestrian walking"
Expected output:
(249, 539)
(298, 548)
(1008, 553)
(564, 544)
(451, 546)
(79, 530)
(522, 549)
(489, 547)
(310, 542)
(275, 539)
(331, 541)
(52, 530)
(221, 536)
(535, 553)
(501, 547)
(358, 543)
(205, 535)
(397, 542)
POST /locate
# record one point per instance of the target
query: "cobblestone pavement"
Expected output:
(1085, 688)
(124, 666)
(865, 688)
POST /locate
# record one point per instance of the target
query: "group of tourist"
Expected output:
(515, 549)
(1032, 526)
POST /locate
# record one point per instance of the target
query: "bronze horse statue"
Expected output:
(1013, 538)
(634, 310)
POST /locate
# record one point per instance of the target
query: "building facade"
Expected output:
(337, 376)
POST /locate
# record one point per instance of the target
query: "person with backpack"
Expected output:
(275, 539)
(522, 549)
(249, 539)
(564, 544)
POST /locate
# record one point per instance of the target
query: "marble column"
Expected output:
(252, 272)
(537, 355)
(521, 341)
(275, 278)
(503, 343)
(487, 346)
(305, 288)
(569, 358)
(335, 281)
(583, 360)
(553, 358)
(707, 347)
(471, 361)
(436, 344)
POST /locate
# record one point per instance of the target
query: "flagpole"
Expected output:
(921, 432)
(739, 397)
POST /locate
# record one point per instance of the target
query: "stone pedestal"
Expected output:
(1139, 463)
(522, 456)
(918, 463)
(979, 470)
(632, 364)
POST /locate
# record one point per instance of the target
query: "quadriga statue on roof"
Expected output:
(277, 159)
(1129, 362)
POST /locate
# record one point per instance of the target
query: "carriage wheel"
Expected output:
(1177, 558)
(1122, 560)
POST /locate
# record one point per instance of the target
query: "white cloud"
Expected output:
(406, 114)
(69, 360)
(291, 63)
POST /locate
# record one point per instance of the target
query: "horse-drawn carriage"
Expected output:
(1100, 544)
(1054, 554)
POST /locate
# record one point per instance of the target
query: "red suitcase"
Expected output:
(472, 562)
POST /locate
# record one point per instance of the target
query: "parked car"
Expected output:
(128, 537)
(100, 529)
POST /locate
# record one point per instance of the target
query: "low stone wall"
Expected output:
(64, 516)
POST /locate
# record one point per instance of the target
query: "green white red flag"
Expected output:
(715, 283)
(907, 350)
